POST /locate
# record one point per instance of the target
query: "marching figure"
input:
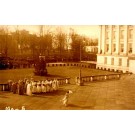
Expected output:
(66, 97)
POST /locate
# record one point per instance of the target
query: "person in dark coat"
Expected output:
(21, 87)
(10, 84)
(14, 87)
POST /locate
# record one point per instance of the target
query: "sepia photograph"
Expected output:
(67, 67)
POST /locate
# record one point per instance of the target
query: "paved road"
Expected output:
(109, 95)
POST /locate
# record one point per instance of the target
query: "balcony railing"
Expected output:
(97, 78)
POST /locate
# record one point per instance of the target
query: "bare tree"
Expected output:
(45, 44)
(61, 39)
(4, 40)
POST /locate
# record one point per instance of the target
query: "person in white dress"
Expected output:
(25, 86)
(65, 99)
(50, 84)
(67, 81)
(39, 87)
(54, 85)
(34, 87)
(57, 84)
(29, 89)
(47, 85)
(43, 87)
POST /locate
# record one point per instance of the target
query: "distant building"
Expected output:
(91, 49)
(116, 49)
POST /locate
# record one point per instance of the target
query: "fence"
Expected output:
(4, 87)
(63, 81)
(100, 77)
(85, 65)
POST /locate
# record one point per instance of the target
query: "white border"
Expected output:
(66, 12)
(57, 12)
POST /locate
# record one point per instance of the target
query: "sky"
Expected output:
(86, 30)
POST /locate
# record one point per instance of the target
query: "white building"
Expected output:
(91, 49)
(116, 49)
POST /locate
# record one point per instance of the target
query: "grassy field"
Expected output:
(53, 72)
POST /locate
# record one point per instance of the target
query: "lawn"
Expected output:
(53, 72)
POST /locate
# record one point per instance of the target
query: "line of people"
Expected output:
(30, 87)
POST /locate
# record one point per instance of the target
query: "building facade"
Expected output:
(116, 48)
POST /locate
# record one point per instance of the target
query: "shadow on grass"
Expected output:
(2, 94)
(50, 94)
(3, 97)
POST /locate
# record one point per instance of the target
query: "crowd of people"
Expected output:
(31, 86)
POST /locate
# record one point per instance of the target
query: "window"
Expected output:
(114, 34)
(127, 63)
(120, 61)
(130, 26)
(107, 35)
(105, 60)
(121, 47)
(130, 47)
(130, 34)
(112, 61)
(101, 51)
(121, 26)
(107, 26)
(107, 47)
(114, 26)
(114, 48)
(122, 34)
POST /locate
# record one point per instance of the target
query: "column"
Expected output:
(110, 40)
(118, 39)
(103, 38)
(100, 39)
(133, 45)
(126, 40)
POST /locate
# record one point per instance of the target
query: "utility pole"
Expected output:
(80, 82)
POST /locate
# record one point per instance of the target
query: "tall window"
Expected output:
(122, 34)
(114, 26)
(107, 35)
(107, 47)
(114, 34)
(121, 26)
(105, 60)
(114, 48)
(107, 26)
(112, 61)
(120, 61)
(130, 26)
(130, 47)
(127, 63)
(130, 34)
(121, 47)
